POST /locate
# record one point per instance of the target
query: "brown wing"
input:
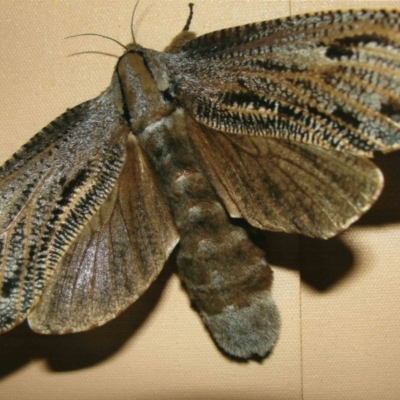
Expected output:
(331, 79)
(49, 189)
(287, 186)
(115, 258)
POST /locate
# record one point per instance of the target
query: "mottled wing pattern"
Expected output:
(49, 189)
(283, 185)
(331, 79)
(116, 256)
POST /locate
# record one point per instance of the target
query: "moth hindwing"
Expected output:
(271, 122)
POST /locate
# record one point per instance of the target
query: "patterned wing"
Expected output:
(287, 186)
(49, 190)
(331, 79)
(116, 256)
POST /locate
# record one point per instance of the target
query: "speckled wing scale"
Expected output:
(271, 122)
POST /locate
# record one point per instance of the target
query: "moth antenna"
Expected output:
(133, 15)
(93, 52)
(98, 34)
(189, 20)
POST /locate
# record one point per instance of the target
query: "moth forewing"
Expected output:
(50, 188)
(330, 79)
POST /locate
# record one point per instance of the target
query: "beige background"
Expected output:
(339, 299)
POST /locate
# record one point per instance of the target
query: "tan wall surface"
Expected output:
(340, 321)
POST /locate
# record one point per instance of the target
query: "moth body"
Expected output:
(271, 122)
(226, 275)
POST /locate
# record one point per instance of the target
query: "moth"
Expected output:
(272, 123)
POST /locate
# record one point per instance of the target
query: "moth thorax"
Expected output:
(143, 86)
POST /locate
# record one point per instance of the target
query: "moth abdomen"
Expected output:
(225, 273)
(228, 279)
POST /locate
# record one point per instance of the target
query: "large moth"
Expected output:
(271, 122)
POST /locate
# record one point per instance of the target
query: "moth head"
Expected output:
(144, 83)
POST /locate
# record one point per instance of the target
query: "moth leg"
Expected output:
(189, 20)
